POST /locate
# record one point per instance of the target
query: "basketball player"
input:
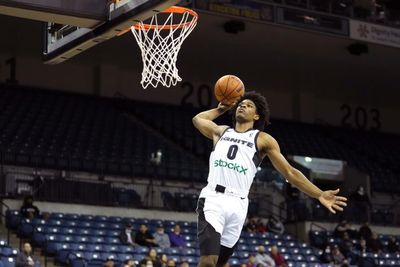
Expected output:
(223, 203)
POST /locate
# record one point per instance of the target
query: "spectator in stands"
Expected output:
(151, 260)
(338, 257)
(346, 245)
(393, 245)
(109, 262)
(362, 246)
(25, 257)
(365, 232)
(260, 226)
(251, 261)
(184, 263)
(374, 244)
(144, 238)
(278, 258)
(176, 238)
(161, 238)
(263, 258)
(275, 226)
(130, 263)
(28, 210)
(251, 225)
(341, 228)
(164, 260)
(171, 263)
(126, 236)
(326, 256)
(359, 203)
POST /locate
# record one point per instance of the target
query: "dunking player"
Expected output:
(222, 206)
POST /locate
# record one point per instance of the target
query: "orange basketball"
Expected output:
(228, 89)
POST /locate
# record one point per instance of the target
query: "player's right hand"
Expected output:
(225, 107)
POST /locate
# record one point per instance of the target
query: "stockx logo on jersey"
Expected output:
(230, 165)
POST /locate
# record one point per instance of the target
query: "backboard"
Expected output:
(74, 32)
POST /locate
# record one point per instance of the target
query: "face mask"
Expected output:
(361, 191)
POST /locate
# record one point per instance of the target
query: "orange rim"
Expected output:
(172, 9)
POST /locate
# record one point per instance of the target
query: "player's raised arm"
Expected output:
(204, 121)
(270, 147)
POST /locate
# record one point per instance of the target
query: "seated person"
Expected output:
(162, 238)
(126, 236)
(25, 257)
(151, 259)
(144, 237)
(176, 238)
(28, 210)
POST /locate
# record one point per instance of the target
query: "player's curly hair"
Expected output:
(261, 106)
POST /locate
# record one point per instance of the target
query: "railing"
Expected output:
(5, 217)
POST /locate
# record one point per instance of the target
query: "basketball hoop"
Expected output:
(160, 41)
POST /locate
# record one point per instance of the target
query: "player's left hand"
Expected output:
(331, 201)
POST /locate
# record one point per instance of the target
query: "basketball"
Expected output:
(228, 89)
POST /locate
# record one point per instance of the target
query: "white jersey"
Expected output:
(234, 160)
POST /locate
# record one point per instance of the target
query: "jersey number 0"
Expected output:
(233, 149)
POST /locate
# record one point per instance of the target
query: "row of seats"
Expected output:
(92, 243)
(67, 131)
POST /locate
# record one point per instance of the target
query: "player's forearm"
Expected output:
(211, 114)
(296, 178)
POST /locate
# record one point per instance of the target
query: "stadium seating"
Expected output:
(101, 135)
(92, 239)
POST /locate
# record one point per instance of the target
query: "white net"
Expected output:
(160, 42)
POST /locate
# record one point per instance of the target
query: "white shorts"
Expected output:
(226, 213)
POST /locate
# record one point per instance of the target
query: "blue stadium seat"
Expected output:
(188, 251)
(141, 250)
(126, 249)
(71, 216)
(56, 222)
(71, 223)
(175, 258)
(100, 218)
(234, 262)
(39, 236)
(123, 257)
(8, 261)
(241, 247)
(99, 233)
(109, 255)
(13, 219)
(95, 263)
(51, 248)
(77, 262)
(84, 231)
(68, 231)
(25, 230)
(243, 255)
(95, 247)
(114, 219)
(96, 239)
(311, 258)
(112, 233)
(112, 240)
(57, 215)
(7, 251)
